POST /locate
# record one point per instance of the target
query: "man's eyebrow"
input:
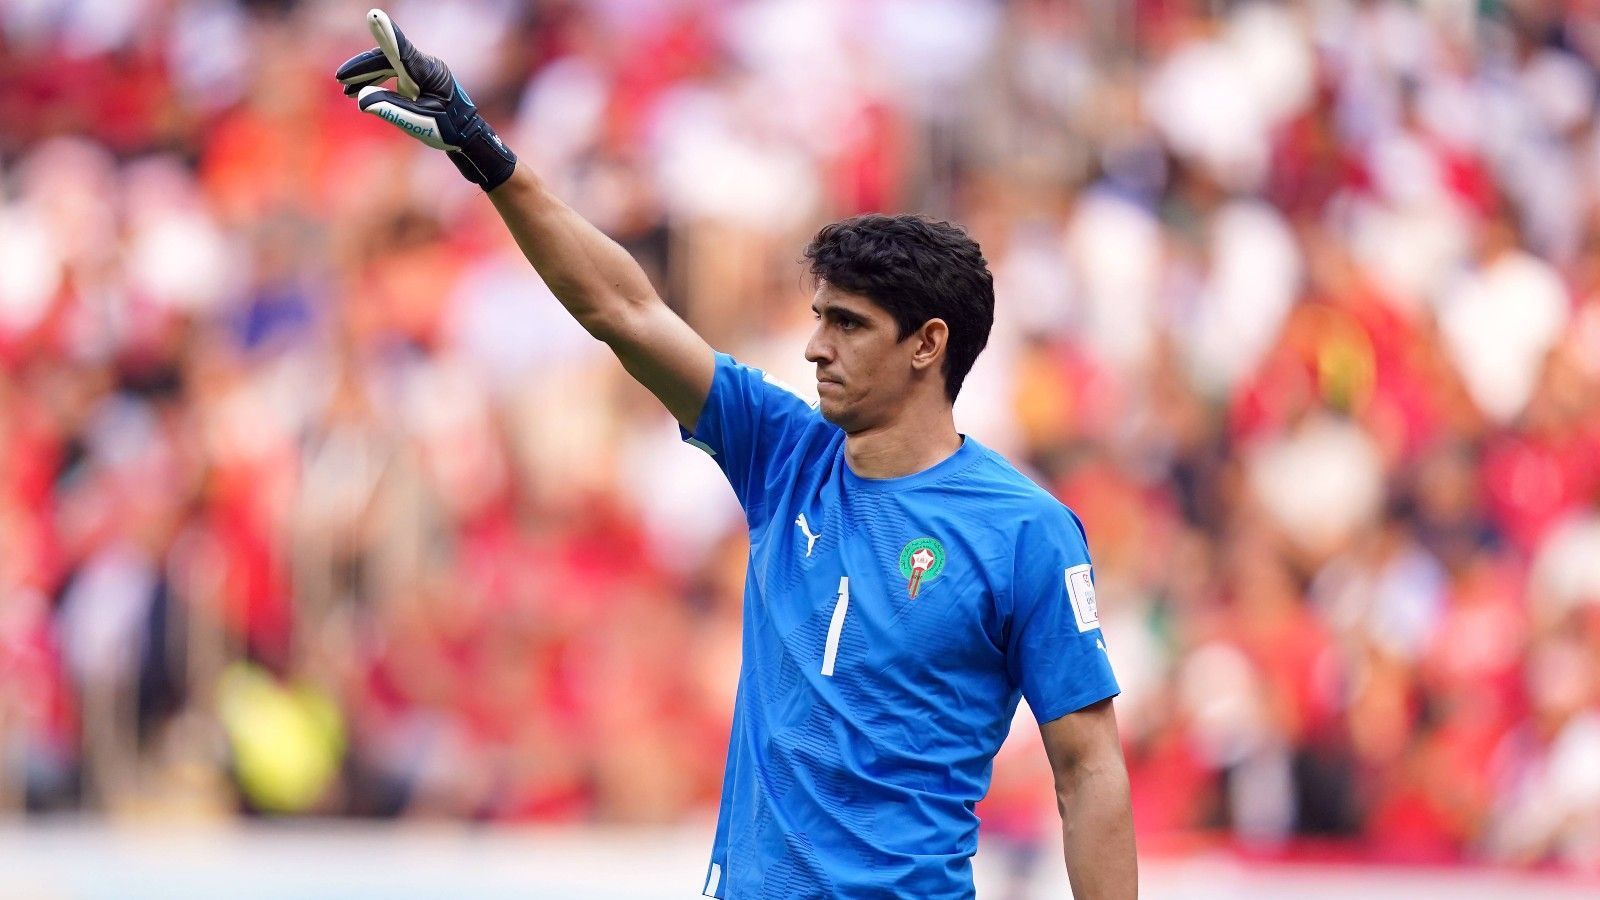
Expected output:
(836, 310)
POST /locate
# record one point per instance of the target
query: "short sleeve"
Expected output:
(1055, 651)
(751, 424)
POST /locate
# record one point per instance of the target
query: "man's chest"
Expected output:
(878, 583)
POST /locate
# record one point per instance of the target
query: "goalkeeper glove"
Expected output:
(429, 105)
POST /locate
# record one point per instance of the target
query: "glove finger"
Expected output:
(396, 48)
(353, 89)
(363, 66)
(431, 107)
(419, 118)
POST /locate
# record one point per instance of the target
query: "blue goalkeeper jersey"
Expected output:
(889, 627)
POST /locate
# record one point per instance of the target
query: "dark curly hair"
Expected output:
(917, 269)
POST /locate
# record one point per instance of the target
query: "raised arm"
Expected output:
(594, 278)
(606, 291)
(1092, 795)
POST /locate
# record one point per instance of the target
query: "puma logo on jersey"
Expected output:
(805, 529)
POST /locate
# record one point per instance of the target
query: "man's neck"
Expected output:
(904, 447)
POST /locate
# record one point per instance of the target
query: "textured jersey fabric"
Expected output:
(889, 628)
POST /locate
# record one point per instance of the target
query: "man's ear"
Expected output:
(930, 343)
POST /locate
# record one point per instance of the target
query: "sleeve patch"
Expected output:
(1080, 591)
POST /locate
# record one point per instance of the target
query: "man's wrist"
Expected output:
(484, 159)
(521, 180)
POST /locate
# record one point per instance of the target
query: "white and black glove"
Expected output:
(429, 104)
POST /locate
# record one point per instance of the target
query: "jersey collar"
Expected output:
(951, 464)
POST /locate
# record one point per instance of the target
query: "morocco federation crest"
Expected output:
(921, 560)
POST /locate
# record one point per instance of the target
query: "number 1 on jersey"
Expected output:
(831, 651)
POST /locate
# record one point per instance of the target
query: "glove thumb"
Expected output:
(423, 119)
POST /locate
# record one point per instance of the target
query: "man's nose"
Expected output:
(817, 349)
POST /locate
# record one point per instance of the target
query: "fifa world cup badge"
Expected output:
(921, 560)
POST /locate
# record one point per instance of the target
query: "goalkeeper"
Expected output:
(906, 585)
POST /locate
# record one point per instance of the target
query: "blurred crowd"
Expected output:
(312, 499)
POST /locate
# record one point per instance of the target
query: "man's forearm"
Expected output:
(1097, 832)
(593, 277)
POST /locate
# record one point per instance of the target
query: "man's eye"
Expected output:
(848, 324)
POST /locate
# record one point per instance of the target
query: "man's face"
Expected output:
(863, 369)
